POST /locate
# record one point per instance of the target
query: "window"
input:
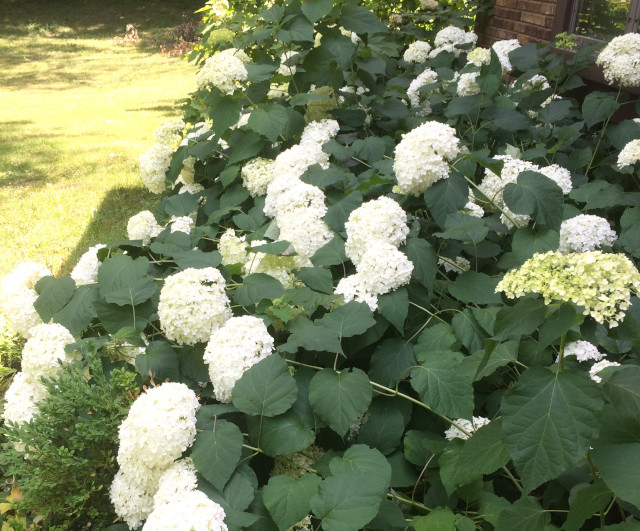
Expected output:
(599, 20)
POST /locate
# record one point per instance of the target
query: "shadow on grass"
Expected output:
(28, 155)
(92, 18)
(109, 223)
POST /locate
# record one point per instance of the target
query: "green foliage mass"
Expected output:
(63, 460)
(449, 405)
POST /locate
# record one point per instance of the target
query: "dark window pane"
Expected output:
(602, 19)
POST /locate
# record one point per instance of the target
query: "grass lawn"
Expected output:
(76, 110)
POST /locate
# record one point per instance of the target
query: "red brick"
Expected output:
(548, 9)
(533, 18)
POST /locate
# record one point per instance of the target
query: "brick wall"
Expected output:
(525, 20)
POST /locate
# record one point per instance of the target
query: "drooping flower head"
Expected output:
(620, 60)
(86, 270)
(193, 304)
(381, 219)
(17, 295)
(630, 154)
(585, 232)
(224, 70)
(154, 164)
(238, 345)
(450, 38)
(503, 49)
(143, 226)
(413, 92)
(583, 351)
(422, 156)
(44, 349)
(600, 283)
(417, 52)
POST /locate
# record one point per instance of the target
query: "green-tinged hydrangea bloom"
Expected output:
(298, 464)
(601, 283)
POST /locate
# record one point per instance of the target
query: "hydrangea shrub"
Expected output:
(407, 296)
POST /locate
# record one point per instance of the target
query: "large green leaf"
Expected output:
(526, 514)
(159, 361)
(350, 497)
(394, 307)
(311, 336)
(619, 467)
(390, 361)
(442, 387)
(288, 500)
(361, 20)
(338, 213)
(224, 111)
(477, 288)
(316, 9)
(483, 453)
(256, 287)
(78, 313)
(281, 435)
(317, 278)
(468, 229)
(339, 398)
(348, 320)
(485, 362)
(330, 254)
(521, 319)
(440, 519)
(536, 195)
(598, 107)
(589, 500)
(425, 261)
(269, 120)
(548, 422)
(446, 196)
(124, 281)
(216, 453)
(53, 294)
(622, 389)
(267, 388)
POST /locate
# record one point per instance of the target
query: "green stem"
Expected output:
(408, 501)
(427, 311)
(602, 131)
(512, 478)
(561, 354)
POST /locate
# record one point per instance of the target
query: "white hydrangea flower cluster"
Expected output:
(143, 226)
(421, 157)
(472, 209)
(192, 305)
(457, 265)
(449, 38)
(86, 270)
(296, 206)
(154, 164)
(467, 85)
(583, 351)
(503, 49)
(44, 350)
(191, 188)
(256, 175)
(232, 248)
(599, 366)
(21, 399)
(620, 60)
(600, 283)
(17, 295)
(160, 426)
(182, 224)
(238, 345)
(470, 426)
(492, 185)
(428, 4)
(287, 64)
(374, 232)
(630, 154)
(169, 132)
(179, 506)
(224, 70)
(479, 56)
(534, 83)
(188, 172)
(413, 92)
(41, 357)
(417, 52)
(585, 232)
(192, 510)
